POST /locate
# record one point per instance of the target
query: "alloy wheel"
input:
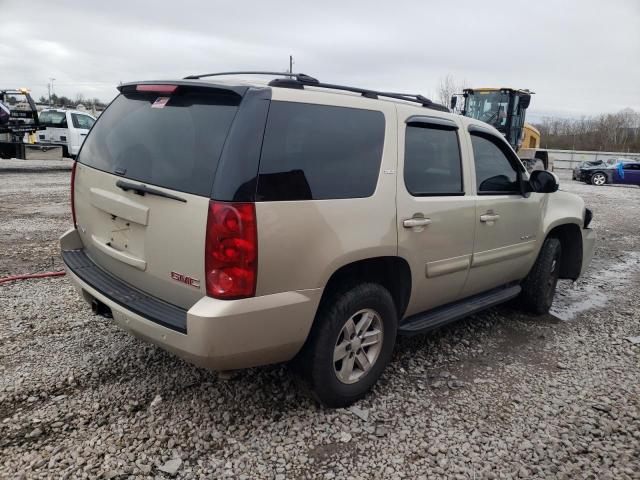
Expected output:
(358, 346)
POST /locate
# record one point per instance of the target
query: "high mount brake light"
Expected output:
(231, 250)
(156, 88)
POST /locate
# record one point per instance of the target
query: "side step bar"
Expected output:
(440, 316)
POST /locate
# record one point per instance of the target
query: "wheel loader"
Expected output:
(505, 109)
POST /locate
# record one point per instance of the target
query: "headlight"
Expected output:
(588, 216)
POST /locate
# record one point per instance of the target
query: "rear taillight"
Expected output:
(231, 250)
(73, 187)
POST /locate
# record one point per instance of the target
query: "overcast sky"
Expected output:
(581, 57)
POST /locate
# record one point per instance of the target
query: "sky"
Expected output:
(581, 57)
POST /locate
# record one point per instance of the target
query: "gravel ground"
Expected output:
(498, 395)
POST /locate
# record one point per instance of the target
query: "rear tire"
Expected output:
(341, 360)
(539, 287)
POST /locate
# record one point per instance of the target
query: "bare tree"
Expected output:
(608, 132)
(448, 86)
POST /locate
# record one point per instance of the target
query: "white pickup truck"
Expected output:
(67, 128)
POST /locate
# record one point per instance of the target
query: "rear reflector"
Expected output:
(231, 250)
(157, 88)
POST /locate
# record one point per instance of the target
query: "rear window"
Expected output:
(320, 152)
(174, 143)
(53, 119)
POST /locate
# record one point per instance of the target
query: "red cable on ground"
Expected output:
(32, 275)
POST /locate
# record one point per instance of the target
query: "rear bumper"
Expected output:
(219, 334)
(588, 247)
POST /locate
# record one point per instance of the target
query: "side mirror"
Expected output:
(454, 102)
(542, 181)
(525, 100)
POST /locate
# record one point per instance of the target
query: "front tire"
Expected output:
(539, 287)
(350, 345)
(598, 179)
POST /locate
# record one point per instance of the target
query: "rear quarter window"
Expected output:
(177, 146)
(317, 152)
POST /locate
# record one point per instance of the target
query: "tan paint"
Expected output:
(448, 265)
(142, 251)
(119, 205)
(124, 257)
(301, 244)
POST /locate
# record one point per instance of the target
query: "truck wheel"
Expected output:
(350, 345)
(539, 286)
(598, 179)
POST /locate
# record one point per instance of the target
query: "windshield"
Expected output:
(490, 107)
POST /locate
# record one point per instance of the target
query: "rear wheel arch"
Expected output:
(570, 238)
(393, 273)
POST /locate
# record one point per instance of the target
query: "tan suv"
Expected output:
(243, 223)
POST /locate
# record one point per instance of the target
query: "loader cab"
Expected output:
(502, 108)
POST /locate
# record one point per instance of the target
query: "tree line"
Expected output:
(610, 132)
(66, 102)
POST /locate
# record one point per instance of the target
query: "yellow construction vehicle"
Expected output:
(505, 109)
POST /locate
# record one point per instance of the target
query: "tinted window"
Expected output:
(432, 161)
(494, 172)
(53, 119)
(82, 121)
(175, 145)
(320, 152)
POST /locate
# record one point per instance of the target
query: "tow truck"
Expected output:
(22, 121)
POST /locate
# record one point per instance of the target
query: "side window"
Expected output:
(316, 152)
(53, 119)
(82, 121)
(432, 164)
(494, 171)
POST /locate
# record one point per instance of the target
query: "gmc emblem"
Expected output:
(194, 282)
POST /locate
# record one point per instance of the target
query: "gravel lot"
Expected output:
(498, 395)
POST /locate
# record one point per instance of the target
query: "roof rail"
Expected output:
(300, 80)
(296, 76)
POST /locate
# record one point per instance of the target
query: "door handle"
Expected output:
(489, 217)
(416, 222)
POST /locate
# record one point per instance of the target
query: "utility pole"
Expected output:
(290, 63)
(50, 88)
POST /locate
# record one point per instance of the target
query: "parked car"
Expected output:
(623, 171)
(243, 223)
(609, 162)
(68, 128)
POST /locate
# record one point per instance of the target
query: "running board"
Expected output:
(440, 316)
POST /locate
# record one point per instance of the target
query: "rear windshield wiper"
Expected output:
(143, 189)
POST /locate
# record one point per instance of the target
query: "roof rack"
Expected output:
(300, 80)
(296, 76)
